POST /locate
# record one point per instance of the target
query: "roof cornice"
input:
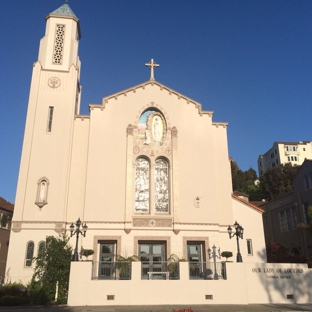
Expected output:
(161, 86)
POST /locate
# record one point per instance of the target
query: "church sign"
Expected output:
(277, 272)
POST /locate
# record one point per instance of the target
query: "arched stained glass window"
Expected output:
(142, 185)
(41, 249)
(29, 254)
(161, 177)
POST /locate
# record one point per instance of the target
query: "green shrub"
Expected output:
(38, 294)
(10, 300)
(13, 289)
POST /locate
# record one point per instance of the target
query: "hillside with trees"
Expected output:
(274, 183)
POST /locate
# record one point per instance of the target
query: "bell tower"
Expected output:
(54, 100)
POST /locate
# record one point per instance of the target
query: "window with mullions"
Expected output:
(142, 185)
(41, 249)
(29, 254)
(161, 185)
(143, 178)
(288, 220)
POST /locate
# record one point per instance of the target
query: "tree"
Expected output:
(277, 181)
(307, 226)
(52, 268)
(244, 181)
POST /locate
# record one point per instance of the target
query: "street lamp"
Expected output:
(214, 255)
(77, 231)
(239, 231)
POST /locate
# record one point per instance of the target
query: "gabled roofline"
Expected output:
(162, 87)
(301, 166)
(277, 198)
(254, 207)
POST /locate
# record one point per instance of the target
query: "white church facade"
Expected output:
(148, 171)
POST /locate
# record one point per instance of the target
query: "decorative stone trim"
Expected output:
(151, 222)
(96, 240)
(54, 82)
(176, 232)
(59, 227)
(174, 132)
(166, 239)
(220, 124)
(197, 201)
(195, 239)
(130, 129)
(127, 231)
(16, 226)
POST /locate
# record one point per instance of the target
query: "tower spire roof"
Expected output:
(64, 10)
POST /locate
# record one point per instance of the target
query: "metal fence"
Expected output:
(168, 270)
(207, 270)
(165, 270)
(111, 270)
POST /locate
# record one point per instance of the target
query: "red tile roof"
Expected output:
(5, 205)
(248, 204)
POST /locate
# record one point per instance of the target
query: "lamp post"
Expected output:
(214, 256)
(77, 231)
(239, 231)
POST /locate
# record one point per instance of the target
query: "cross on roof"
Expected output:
(152, 65)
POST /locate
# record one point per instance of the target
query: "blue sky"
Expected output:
(248, 61)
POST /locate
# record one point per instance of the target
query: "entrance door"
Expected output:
(106, 261)
(152, 256)
(195, 259)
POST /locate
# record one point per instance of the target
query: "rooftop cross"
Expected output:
(152, 65)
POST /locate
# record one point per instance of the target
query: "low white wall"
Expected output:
(246, 283)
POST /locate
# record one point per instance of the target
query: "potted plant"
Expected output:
(86, 252)
(227, 254)
(122, 264)
(173, 266)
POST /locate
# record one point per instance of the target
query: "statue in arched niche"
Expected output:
(42, 191)
(157, 126)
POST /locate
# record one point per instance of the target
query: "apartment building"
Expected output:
(284, 152)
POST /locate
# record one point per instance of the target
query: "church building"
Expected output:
(147, 171)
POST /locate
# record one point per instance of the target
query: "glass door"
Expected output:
(152, 256)
(195, 259)
(106, 261)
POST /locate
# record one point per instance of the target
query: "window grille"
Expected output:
(59, 44)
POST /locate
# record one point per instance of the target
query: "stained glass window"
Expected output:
(142, 185)
(41, 249)
(161, 185)
(29, 253)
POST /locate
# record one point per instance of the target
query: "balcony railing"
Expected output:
(111, 270)
(207, 270)
(160, 270)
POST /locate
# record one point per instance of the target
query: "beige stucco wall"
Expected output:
(258, 283)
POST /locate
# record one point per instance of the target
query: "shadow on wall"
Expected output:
(293, 281)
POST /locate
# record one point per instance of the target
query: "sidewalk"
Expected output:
(170, 308)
